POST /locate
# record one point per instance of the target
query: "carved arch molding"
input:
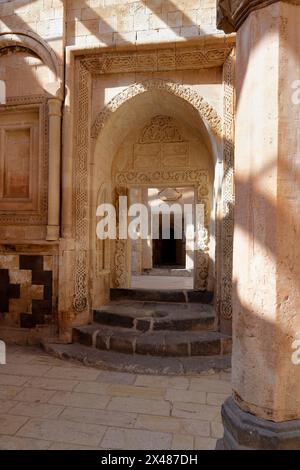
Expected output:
(85, 68)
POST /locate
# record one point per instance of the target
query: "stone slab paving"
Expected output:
(47, 403)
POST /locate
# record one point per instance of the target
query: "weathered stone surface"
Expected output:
(137, 364)
(182, 442)
(195, 411)
(67, 431)
(83, 400)
(10, 424)
(266, 297)
(232, 13)
(102, 417)
(243, 431)
(36, 409)
(22, 443)
(173, 425)
(142, 405)
(135, 439)
(34, 395)
(205, 443)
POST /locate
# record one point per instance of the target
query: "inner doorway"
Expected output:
(166, 259)
(169, 252)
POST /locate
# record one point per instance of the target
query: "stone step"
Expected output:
(155, 316)
(139, 364)
(160, 343)
(182, 296)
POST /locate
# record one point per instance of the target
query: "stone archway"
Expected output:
(86, 144)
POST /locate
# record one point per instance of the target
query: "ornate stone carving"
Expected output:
(163, 176)
(80, 201)
(169, 194)
(197, 177)
(188, 94)
(227, 216)
(160, 129)
(232, 13)
(80, 175)
(120, 275)
(179, 58)
(39, 216)
(7, 50)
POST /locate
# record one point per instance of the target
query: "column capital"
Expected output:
(54, 107)
(231, 14)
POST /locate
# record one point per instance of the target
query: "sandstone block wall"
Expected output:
(34, 41)
(109, 22)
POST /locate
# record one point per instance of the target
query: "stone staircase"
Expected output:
(151, 331)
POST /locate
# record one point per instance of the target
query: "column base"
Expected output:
(243, 431)
(52, 233)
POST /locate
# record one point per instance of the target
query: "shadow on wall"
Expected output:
(134, 23)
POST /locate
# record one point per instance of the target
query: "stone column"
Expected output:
(264, 410)
(53, 227)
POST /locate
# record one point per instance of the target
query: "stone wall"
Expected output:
(92, 22)
(48, 48)
(31, 66)
(28, 288)
(99, 22)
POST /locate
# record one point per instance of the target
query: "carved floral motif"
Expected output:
(160, 129)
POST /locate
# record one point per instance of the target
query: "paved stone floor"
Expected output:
(161, 282)
(47, 403)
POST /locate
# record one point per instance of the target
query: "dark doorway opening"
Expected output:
(169, 252)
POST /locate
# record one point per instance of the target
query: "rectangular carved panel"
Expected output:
(16, 171)
(175, 154)
(20, 165)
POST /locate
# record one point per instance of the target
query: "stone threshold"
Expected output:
(109, 360)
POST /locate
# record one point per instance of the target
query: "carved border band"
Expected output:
(200, 179)
(158, 60)
(227, 208)
(108, 63)
(81, 199)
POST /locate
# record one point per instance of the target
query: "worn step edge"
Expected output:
(204, 321)
(178, 296)
(167, 344)
(108, 360)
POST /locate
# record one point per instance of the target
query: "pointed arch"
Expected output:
(208, 114)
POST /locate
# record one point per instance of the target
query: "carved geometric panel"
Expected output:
(171, 58)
